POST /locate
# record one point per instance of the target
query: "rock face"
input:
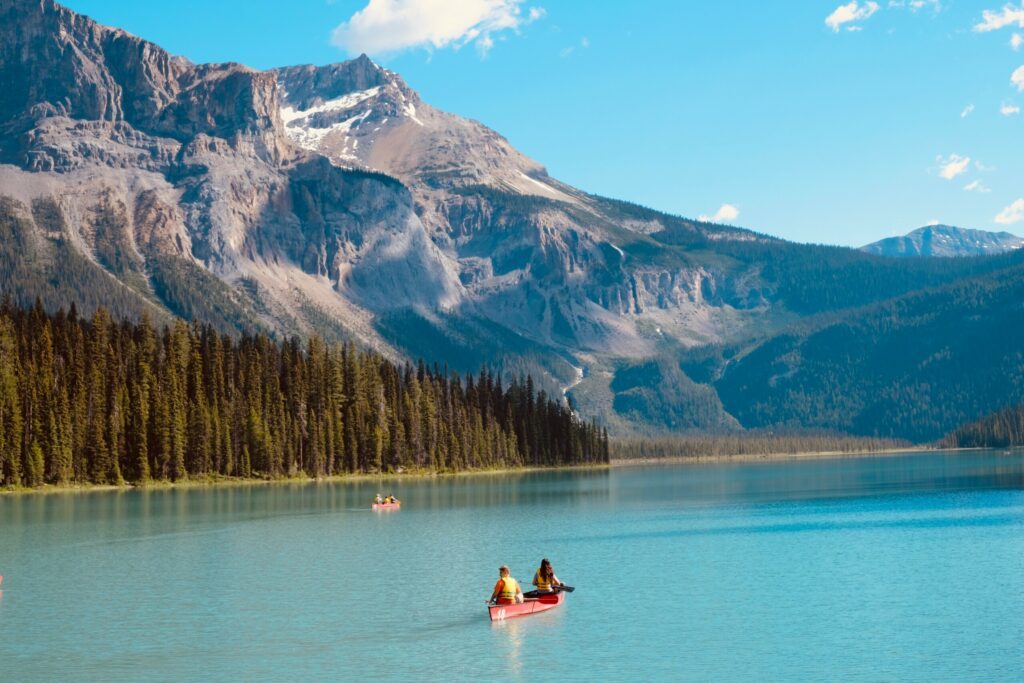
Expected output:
(946, 240)
(56, 64)
(533, 254)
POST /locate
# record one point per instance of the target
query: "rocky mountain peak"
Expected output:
(946, 240)
(359, 114)
(59, 68)
(307, 86)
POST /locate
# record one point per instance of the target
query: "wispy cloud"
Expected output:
(1009, 109)
(850, 13)
(976, 186)
(952, 166)
(566, 51)
(1014, 213)
(1017, 78)
(967, 111)
(725, 214)
(915, 5)
(1016, 40)
(384, 26)
(993, 20)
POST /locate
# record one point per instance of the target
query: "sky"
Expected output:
(816, 121)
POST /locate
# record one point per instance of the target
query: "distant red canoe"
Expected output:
(386, 506)
(529, 606)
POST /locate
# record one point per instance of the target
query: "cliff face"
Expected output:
(56, 64)
(533, 254)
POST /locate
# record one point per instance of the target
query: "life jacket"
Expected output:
(542, 583)
(509, 590)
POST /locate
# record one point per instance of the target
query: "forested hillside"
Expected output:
(1002, 429)
(914, 367)
(101, 401)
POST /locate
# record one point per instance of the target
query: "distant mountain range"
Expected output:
(946, 240)
(332, 199)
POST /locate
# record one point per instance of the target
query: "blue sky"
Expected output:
(816, 121)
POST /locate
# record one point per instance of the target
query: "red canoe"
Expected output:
(386, 506)
(528, 606)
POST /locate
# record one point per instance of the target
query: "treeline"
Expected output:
(746, 443)
(1002, 429)
(103, 402)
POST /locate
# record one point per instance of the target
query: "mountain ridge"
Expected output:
(945, 241)
(333, 199)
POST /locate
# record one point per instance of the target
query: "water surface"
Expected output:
(903, 567)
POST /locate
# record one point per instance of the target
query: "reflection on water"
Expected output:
(512, 644)
(166, 511)
(810, 478)
(180, 507)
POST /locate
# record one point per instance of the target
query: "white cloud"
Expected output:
(1009, 109)
(1014, 213)
(967, 111)
(384, 26)
(1017, 78)
(725, 213)
(850, 13)
(952, 166)
(934, 221)
(976, 186)
(1016, 40)
(914, 5)
(484, 44)
(993, 20)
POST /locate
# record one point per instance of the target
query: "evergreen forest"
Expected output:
(101, 401)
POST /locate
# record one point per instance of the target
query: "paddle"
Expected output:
(563, 587)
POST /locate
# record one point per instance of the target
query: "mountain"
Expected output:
(914, 366)
(332, 199)
(946, 240)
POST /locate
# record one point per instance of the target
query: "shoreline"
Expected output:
(417, 475)
(227, 482)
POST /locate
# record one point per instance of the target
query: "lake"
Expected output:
(907, 567)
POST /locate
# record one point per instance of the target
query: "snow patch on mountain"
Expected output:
(289, 114)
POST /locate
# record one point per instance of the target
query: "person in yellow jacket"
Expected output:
(506, 590)
(545, 579)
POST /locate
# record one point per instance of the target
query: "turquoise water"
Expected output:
(896, 568)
